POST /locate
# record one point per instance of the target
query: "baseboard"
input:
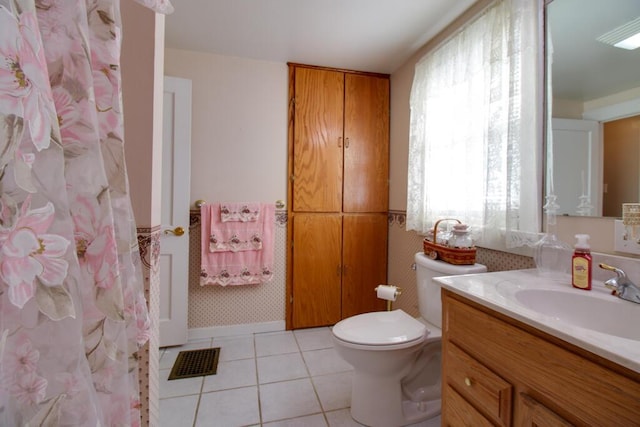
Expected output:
(231, 330)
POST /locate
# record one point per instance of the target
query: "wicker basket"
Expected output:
(456, 256)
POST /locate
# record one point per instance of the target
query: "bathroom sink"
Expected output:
(594, 320)
(597, 311)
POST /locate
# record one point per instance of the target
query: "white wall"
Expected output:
(239, 126)
(238, 153)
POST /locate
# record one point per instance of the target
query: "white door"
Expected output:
(577, 165)
(174, 240)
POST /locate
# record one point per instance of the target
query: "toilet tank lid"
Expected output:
(380, 328)
(445, 268)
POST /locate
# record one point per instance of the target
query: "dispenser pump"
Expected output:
(583, 242)
(581, 263)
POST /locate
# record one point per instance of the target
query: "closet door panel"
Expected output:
(318, 140)
(364, 240)
(317, 269)
(366, 154)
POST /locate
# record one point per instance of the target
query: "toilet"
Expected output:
(396, 357)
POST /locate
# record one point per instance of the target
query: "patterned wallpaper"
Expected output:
(149, 356)
(223, 306)
(213, 305)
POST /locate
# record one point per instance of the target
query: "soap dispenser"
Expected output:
(581, 263)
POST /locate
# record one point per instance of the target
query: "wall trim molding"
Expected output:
(613, 112)
(398, 218)
(232, 330)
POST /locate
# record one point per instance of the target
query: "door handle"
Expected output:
(178, 231)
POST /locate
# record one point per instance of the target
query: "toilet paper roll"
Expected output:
(386, 292)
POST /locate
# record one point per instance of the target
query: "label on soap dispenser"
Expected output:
(580, 273)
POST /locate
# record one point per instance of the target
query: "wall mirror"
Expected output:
(594, 86)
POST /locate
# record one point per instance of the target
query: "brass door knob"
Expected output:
(178, 231)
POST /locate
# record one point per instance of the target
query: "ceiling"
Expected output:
(366, 35)
(584, 68)
(380, 35)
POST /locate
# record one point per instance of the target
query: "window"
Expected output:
(475, 135)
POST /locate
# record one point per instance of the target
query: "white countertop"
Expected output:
(495, 290)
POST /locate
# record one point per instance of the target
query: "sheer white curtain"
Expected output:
(474, 150)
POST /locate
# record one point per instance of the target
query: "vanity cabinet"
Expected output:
(338, 194)
(500, 371)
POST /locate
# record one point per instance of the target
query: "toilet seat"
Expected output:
(435, 333)
(381, 329)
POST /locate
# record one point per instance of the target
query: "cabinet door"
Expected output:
(318, 140)
(364, 262)
(316, 269)
(366, 153)
(536, 414)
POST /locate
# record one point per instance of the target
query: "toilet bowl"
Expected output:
(395, 357)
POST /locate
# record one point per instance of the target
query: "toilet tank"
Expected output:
(429, 301)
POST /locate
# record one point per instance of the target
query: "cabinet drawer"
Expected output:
(459, 412)
(480, 386)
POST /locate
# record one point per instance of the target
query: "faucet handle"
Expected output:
(611, 268)
(621, 274)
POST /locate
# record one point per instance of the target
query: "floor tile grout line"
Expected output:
(313, 385)
(323, 411)
(255, 363)
(195, 414)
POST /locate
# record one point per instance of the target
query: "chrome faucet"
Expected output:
(622, 285)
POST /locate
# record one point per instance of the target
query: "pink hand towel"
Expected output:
(236, 253)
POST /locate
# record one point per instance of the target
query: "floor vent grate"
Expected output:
(195, 363)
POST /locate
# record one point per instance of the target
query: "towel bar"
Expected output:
(199, 203)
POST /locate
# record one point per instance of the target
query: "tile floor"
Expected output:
(275, 379)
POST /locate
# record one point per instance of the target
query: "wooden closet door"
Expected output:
(364, 240)
(317, 268)
(366, 154)
(318, 140)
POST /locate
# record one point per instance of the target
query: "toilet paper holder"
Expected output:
(397, 292)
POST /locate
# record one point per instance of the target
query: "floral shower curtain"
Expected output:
(72, 308)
